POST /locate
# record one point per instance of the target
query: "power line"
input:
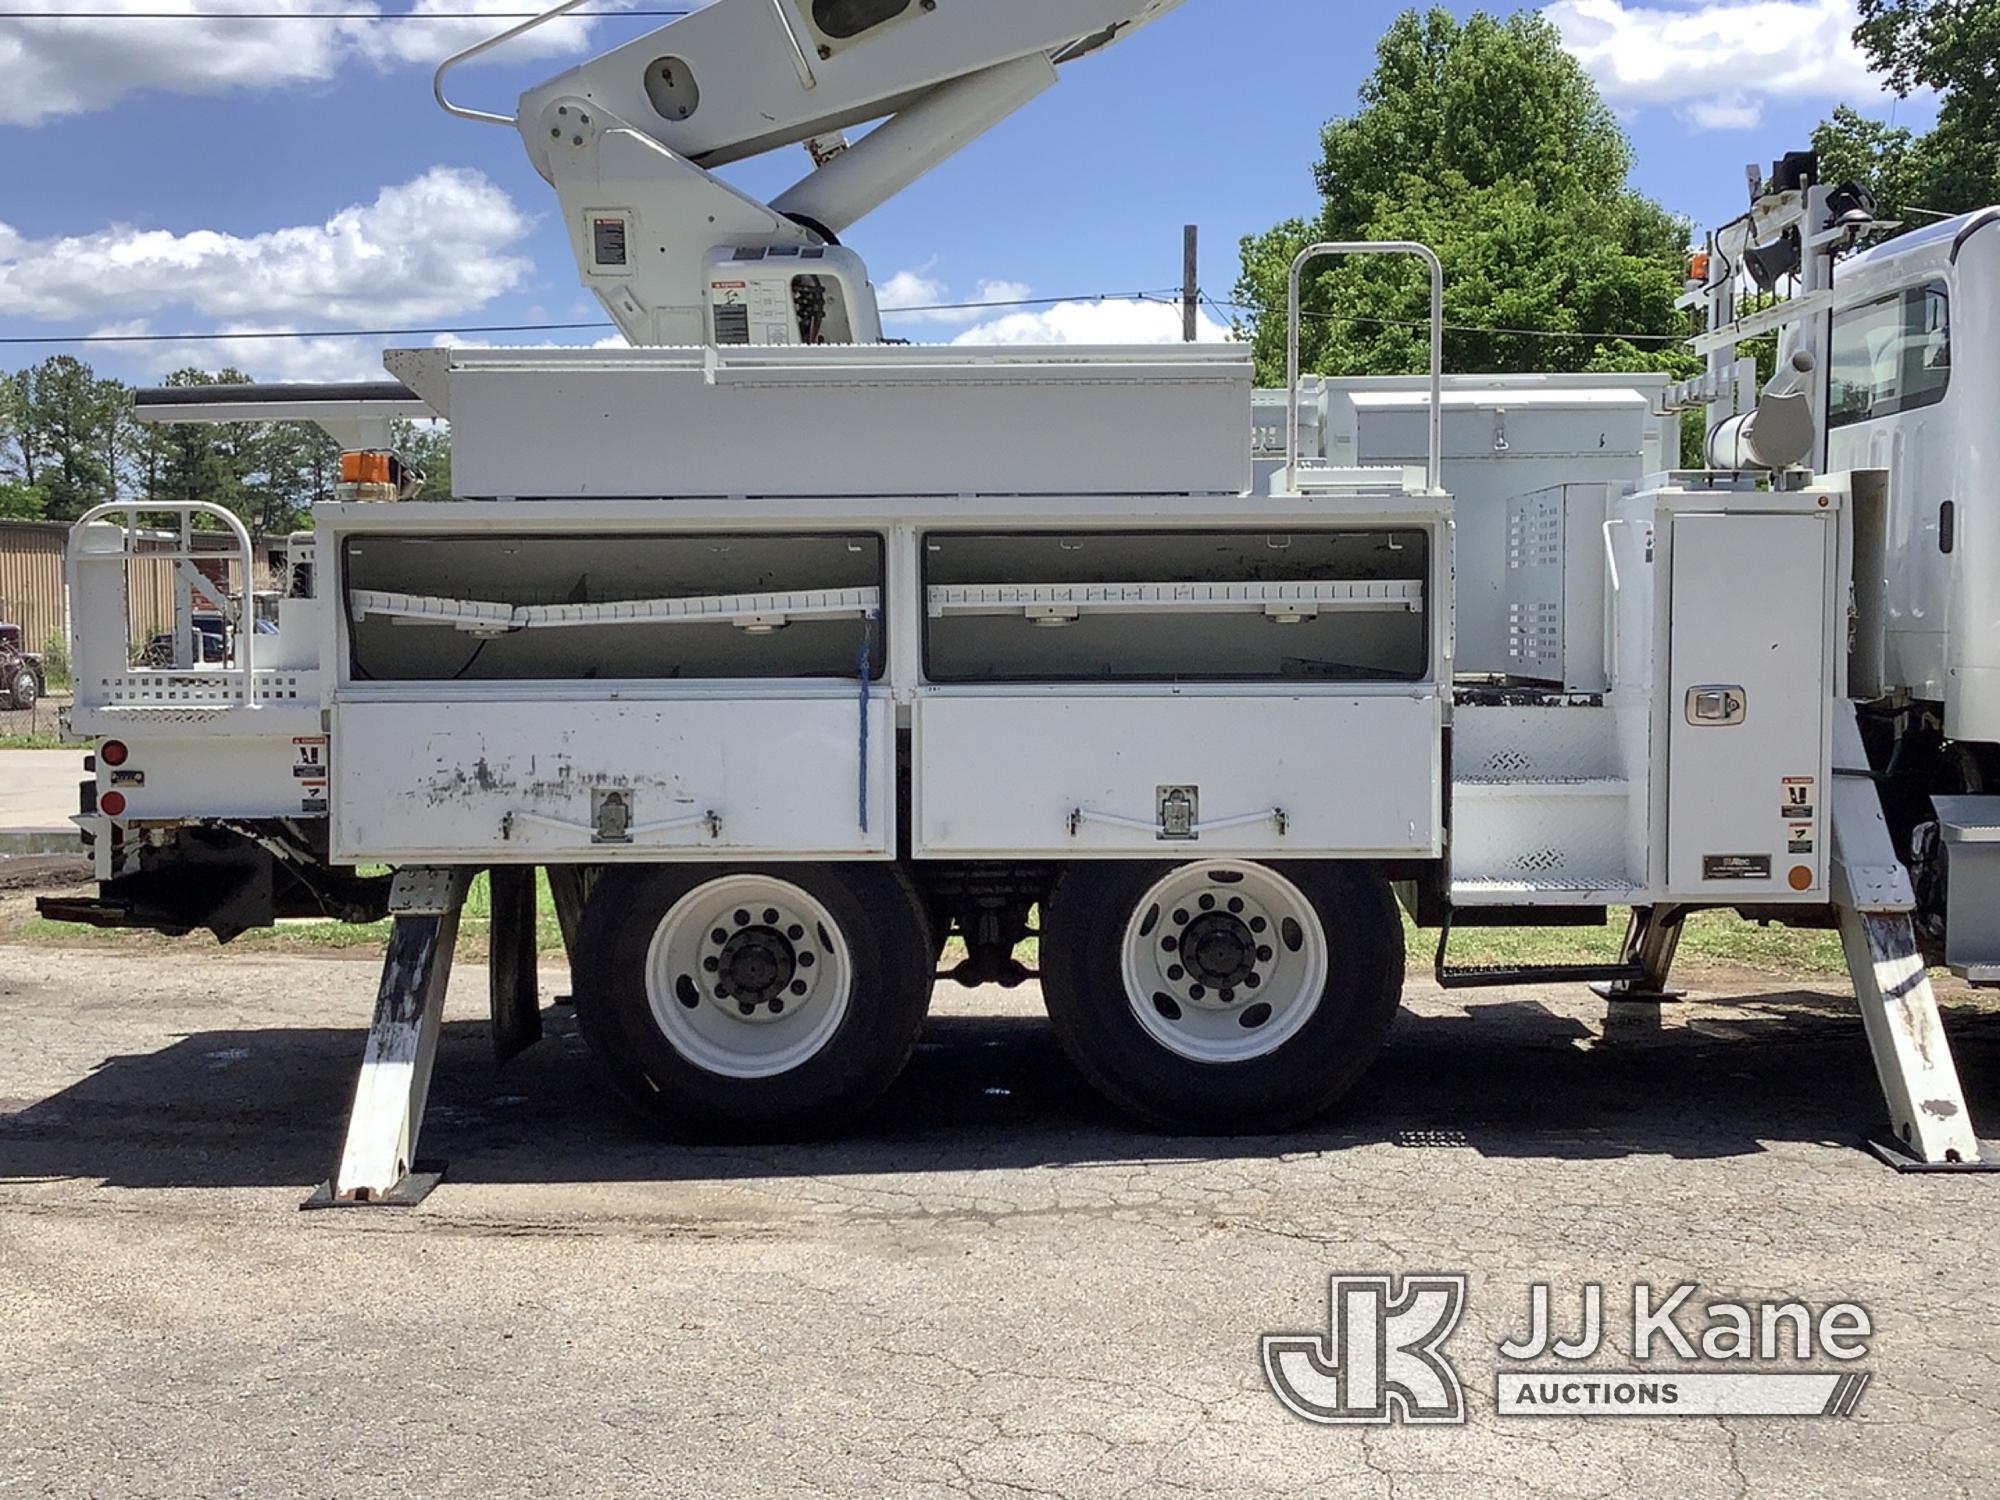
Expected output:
(931, 307)
(599, 327)
(317, 15)
(1532, 333)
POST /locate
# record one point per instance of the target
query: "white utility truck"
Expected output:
(787, 652)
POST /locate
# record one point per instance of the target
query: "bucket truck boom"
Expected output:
(631, 139)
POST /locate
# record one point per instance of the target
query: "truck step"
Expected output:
(1500, 976)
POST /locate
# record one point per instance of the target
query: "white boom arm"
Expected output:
(630, 139)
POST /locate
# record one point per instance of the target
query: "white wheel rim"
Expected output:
(748, 977)
(1224, 962)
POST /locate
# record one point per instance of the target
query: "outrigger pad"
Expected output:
(414, 1187)
(1899, 1157)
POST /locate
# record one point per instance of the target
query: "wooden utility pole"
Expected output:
(1191, 283)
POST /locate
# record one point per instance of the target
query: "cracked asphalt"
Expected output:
(995, 1289)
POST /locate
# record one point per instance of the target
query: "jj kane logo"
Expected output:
(1382, 1358)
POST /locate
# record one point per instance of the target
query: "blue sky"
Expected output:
(162, 176)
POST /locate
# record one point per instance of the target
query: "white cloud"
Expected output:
(1092, 323)
(1717, 61)
(429, 248)
(918, 297)
(427, 43)
(908, 289)
(68, 67)
(276, 360)
(1723, 112)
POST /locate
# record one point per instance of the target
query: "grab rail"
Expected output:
(1296, 316)
(487, 117)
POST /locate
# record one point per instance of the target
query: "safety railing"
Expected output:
(81, 554)
(1345, 248)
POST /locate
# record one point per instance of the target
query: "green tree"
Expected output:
(1487, 141)
(64, 419)
(1952, 46)
(183, 461)
(21, 502)
(299, 466)
(426, 446)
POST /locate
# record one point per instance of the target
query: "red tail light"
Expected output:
(113, 753)
(112, 804)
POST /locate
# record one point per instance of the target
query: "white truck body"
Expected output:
(786, 660)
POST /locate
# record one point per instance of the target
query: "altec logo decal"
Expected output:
(1382, 1358)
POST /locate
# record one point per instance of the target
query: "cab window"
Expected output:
(1891, 356)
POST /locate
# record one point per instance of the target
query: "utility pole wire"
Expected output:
(599, 327)
(315, 15)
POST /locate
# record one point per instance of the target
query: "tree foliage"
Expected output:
(1487, 141)
(1952, 46)
(68, 441)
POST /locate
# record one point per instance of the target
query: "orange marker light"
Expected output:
(1802, 878)
(364, 468)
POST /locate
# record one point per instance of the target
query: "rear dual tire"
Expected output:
(742, 1002)
(1223, 997)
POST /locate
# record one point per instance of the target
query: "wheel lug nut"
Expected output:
(1195, 992)
(1258, 924)
(1181, 918)
(1176, 973)
(744, 1007)
(718, 936)
(1170, 943)
(1228, 995)
(805, 960)
(778, 1007)
(743, 919)
(1207, 903)
(795, 932)
(1236, 903)
(798, 986)
(770, 915)
(713, 965)
(1253, 980)
(1263, 955)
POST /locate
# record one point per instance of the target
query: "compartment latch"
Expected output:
(1180, 812)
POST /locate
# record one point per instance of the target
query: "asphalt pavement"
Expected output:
(994, 1289)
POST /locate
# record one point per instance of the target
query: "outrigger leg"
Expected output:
(378, 1165)
(1651, 941)
(1930, 1127)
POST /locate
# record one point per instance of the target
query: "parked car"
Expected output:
(22, 679)
(214, 636)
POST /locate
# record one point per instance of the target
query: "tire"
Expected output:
(24, 689)
(714, 1038)
(1298, 1022)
